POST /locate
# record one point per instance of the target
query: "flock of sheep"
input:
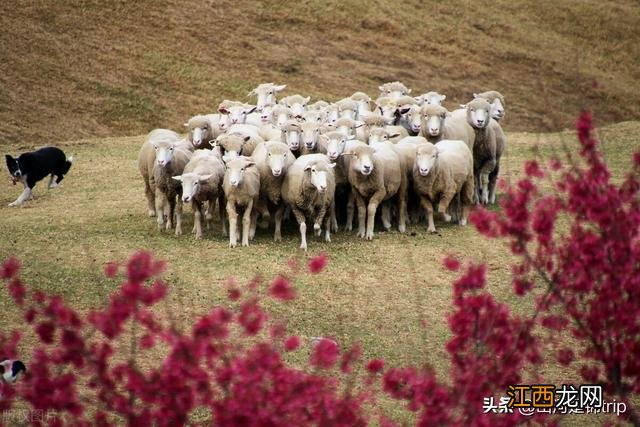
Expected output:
(318, 162)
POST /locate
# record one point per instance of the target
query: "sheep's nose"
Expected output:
(480, 121)
(185, 199)
(277, 172)
(322, 188)
(424, 172)
(366, 168)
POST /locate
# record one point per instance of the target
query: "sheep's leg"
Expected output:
(402, 205)
(160, 203)
(428, 207)
(334, 220)
(211, 206)
(170, 210)
(179, 217)
(233, 224)
(327, 224)
(351, 201)
(265, 215)
(444, 203)
(246, 223)
(277, 235)
(223, 218)
(254, 222)
(303, 226)
(197, 218)
(466, 199)
(493, 178)
(317, 225)
(386, 216)
(362, 215)
(151, 199)
(371, 212)
(476, 186)
(486, 169)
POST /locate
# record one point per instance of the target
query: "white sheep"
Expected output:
(430, 98)
(147, 160)
(292, 136)
(364, 104)
(203, 128)
(241, 189)
(281, 115)
(234, 145)
(310, 134)
(170, 161)
(394, 90)
(297, 104)
(273, 159)
(488, 147)
(437, 124)
(237, 111)
(377, 175)
(201, 182)
(347, 108)
(308, 189)
(442, 172)
(496, 100)
(266, 94)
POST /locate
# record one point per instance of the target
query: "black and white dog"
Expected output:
(32, 167)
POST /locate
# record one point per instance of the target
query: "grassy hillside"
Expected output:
(74, 69)
(378, 293)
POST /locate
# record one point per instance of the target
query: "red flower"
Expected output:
(281, 288)
(375, 365)
(292, 343)
(325, 354)
(565, 356)
(318, 263)
(10, 268)
(451, 263)
(111, 269)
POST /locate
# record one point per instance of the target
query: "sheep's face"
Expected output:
(425, 159)
(348, 113)
(223, 122)
(231, 146)
(164, 153)
(313, 116)
(310, 137)
(389, 113)
(478, 113)
(414, 118)
(433, 124)
(362, 160)
(266, 115)
(497, 109)
(191, 184)
(200, 133)
(319, 175)
(335, 147)
(298, 106)
(266, 94)
(433, 98)
(235, 169)
(238, 114)
(394, 90)
(332, 115)
(362, 109)
(377, 136)
(291, 137)
(283, 115)
(277, 162)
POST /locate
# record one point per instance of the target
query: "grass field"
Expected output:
(378, 292)
(87, 68)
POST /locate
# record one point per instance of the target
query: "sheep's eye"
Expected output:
(171, 149)
(241, 169)
(269, 154)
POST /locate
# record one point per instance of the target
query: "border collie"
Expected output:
(34, 166)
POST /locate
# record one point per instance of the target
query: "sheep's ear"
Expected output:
(251, 93)
(223, 110)
(350, 136)
(404, 110)
(395, 135)
(213, 143)
(307, 99)
(331, 165)
(380, 88)
(408, 91)
(347, 153)
(442, 98)
(203, 178)
(464, 106)
(247, 111)
(308, 167)
(177, 178)
(249, 162)
(475, 95)
(186, 125)
(246, 138)
(279, 88)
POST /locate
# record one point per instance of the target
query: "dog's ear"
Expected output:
(9, 159)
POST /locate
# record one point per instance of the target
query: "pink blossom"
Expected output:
(280, 288)
(325, 353)
(318, 263)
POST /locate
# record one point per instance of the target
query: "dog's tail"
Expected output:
(67, 165)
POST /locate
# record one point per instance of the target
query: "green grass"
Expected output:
(378, 293)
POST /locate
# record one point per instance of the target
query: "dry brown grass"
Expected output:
(88, 68)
